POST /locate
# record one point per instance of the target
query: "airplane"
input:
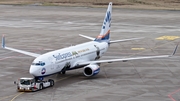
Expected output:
(85, 55)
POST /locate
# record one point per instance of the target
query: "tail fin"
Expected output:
(105, 30)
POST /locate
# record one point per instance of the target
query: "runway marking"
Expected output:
(150, 49)
(170, 95)
(2, 98)
(168, 38)
(16, 96)
(137, 48)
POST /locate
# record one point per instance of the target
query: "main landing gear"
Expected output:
(62, 72)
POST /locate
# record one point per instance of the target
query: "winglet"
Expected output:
(3, 41)
(174, 52)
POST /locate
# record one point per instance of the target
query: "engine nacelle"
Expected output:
(91, 70)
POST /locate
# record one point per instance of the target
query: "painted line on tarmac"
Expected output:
(16, 96)
(150, 49)
(5, 97)
(168, 38)
(137, 48)
(170, 95)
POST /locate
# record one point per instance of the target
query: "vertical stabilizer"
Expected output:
(105, 30)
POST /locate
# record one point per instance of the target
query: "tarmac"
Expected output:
(41, 29)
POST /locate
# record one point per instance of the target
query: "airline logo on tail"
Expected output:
(107, 20)
(105, 30)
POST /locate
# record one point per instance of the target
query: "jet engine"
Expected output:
(91, 70)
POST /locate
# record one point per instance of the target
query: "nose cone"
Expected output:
(34, 71)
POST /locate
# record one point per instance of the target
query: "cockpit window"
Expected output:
(40, 63)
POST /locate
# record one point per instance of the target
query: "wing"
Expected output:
(127, 59)
(16, 50)
(121, 60)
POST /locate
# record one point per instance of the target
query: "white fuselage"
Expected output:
(67, 58)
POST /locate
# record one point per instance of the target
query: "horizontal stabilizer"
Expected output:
(123, 40)
(88, 37)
